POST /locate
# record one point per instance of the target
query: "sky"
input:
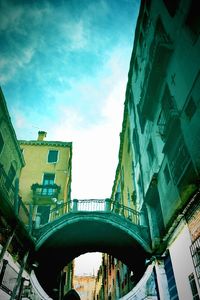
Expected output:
(64, 69)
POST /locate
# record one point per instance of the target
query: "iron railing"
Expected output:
(10, 194)
(60, 209)
(45, 191)
(93, 205)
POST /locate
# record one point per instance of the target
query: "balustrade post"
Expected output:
(75, 205)
(37, 220)
(108, 204)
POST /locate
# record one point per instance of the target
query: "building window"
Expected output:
(168, 113)
(190, 108)
(10, 177)
(135, 145)
(195, 252)
(170, 278)
(166, 174)
(136, 68)
(193, 287)
(48, 182)
(180, 161)
(172, 6)
(141, 38)
(145, 21)
(44, 211)
(193, 20)
(53, 156)
(150, 152)
(1, 142)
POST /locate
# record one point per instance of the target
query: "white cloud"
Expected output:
(75, 35)
(88, 264)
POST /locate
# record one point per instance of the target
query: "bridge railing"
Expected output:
(91, 205)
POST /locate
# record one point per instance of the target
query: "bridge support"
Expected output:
(161, 280)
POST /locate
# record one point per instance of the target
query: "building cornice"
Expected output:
(46, 143)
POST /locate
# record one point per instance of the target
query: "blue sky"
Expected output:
(63, 69)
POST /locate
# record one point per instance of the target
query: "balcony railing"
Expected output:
(166, 121)
(45, 193)
(10, 194)
(93, 205)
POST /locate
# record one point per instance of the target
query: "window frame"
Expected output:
(2, 143)
(150, 152)
(52, 162)
(48, 191)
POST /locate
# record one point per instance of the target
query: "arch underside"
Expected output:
(80, 235)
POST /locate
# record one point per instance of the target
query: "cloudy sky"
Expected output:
(63, 69)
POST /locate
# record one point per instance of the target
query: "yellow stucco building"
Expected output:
(123, 190)
(45, 180)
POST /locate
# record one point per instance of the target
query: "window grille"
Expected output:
(190, 108)
(180, 161)
(195, 252)
(193, 287)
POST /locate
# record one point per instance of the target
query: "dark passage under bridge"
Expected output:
(82, 226)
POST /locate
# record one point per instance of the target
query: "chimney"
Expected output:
(41, 135)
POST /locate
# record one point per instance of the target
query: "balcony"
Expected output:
(159, 55)
(12, 204)
(167, 122)
(45, 194)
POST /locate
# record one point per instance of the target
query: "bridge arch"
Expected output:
(76, 233)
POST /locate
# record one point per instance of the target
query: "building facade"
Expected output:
(84, 285)
(114, 279)
(14, 216)
(163, 106)
(45, 181)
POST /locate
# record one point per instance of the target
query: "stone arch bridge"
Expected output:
(82, 226)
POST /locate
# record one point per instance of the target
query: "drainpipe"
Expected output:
(16, 197)
(7, 244)
(19, 278)
(30, 227)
